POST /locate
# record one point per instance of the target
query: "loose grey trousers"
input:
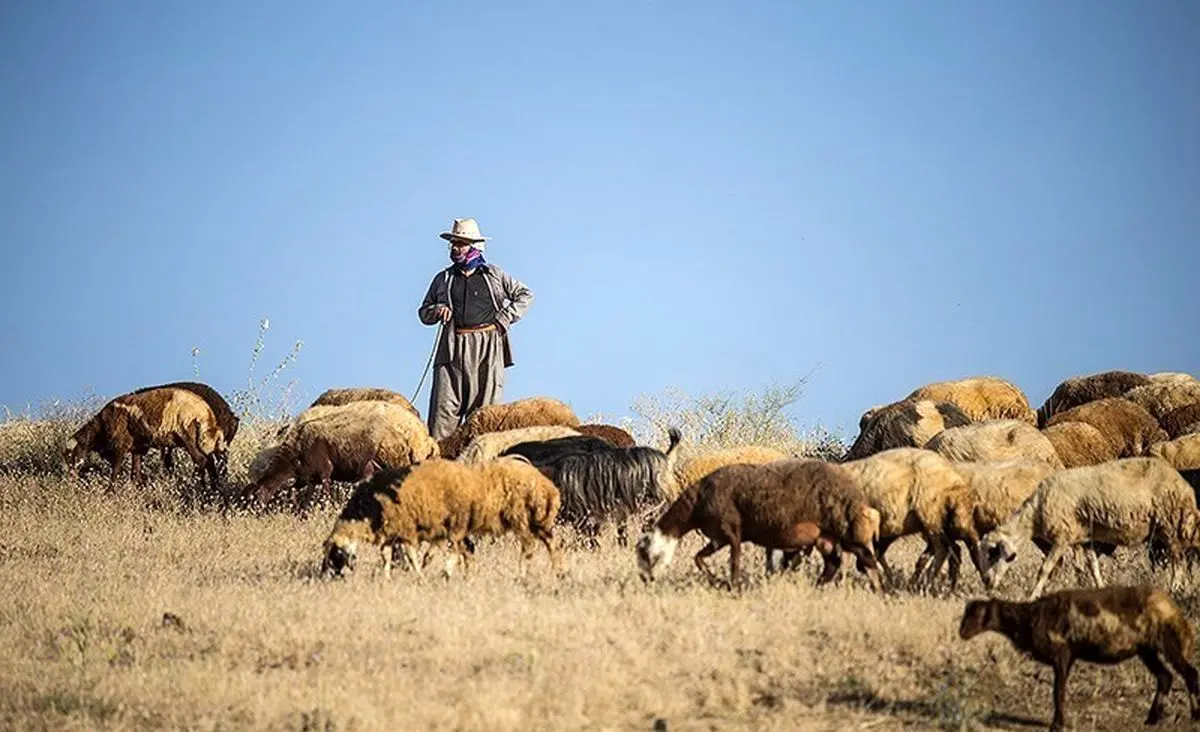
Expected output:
(473, 378)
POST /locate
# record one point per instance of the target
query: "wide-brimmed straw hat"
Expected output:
(464, 229)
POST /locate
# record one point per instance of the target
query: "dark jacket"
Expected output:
(510, 296)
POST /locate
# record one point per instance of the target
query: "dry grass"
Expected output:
(123, 612)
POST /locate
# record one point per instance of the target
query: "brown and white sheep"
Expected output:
(530, 412)
(1104, 626)
(1182, 453)
(903, 424)
(612, 434)
(1128, 427)
(1079, 390)
(1181, 421)
(790, 505)
(133, 424)
(226, 420)
(994, 439)
(1160, 398)
(980, 398)
(399, 509)
(340, 396)
(490, 445)
(1078, 444)
(344, 443)
(1129, 502)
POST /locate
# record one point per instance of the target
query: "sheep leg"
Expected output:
(386, 552)
(1094, 563)
(546, 536)
(1062, 669)
(1177, 655)
(735, 561)
(1048, 564)
(1164, 678)
(712, 547)
(411, 554)
(135, 469)
(832, 555)
(868, 565)
(940, 551)
(881, 548)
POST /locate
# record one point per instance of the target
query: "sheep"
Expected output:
(1127, 502)
(994, 439)
(1078, 444)
(343, 443)
(1182, 454)
(489, 446)
(1161, 397)
(1181, 421)
(338, 397)
(1128, 427)
(791, 505)
(1083, 389)
(614, 435)
(691, 471)
(604, 482)
(904, 424)
(1104, 626)
(226, 420)
(398, 509)
(980, 398)
(530, 412)
(135, 423)
(1173, 377)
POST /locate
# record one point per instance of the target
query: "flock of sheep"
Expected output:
(1109, 460)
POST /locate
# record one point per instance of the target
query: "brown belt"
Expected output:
(476, 329)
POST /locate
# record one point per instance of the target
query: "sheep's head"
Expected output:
(339, 556)
(979, 616)
(72, 453)
(999, 552)
(654, 548)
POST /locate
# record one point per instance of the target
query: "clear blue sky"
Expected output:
(703, 195)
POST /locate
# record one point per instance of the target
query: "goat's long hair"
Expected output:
(543, 453)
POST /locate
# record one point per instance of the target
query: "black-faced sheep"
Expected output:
(790, 505)
(904, 424)
(1078, 444)
(339, 397)
(1128, 427)
(226, 420)
(1160, 398)
(1105, 626)
(1128, 502)
(980, 398)
(1083, 389)
(397, 510)
(530, 412)
(133, 424)
(1181, 421)
(994, 439)
(490, 445)
(344, 443)
(612, 434)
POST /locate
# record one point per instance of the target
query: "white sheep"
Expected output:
(1182, 453)
(994, 439)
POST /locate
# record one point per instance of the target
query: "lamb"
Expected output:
(1182, 421)
(980, 398)
(489, 446)
(135, 423)
(339, 397)
(614, 435)
(994, 439)
(1078, 444)
(344, 443)
(1105, 626)
(1128, 427)
(903, 424)
(791, 505)
(226, 420)
(1161, 397)
(530, 412)
(1128, 502)
(1080, 390)
(1181, 454)
(398, 509)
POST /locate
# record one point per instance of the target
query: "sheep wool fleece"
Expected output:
(475, 379)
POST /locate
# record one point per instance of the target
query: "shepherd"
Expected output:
(477, 304)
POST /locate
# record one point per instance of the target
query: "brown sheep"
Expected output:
(529, 412)
(1161, 397)
(1104, 626)
(790, 505)
(994, 439)
(1083, 389)
(1079, 443)
(980, 398)
(338, 397)
(1182, 454)
(611, 434)
(1181, 421)
(1129, 428)
(226, 420)
(135, 423)
(903, 424)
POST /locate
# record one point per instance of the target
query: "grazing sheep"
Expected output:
(135, 423)
(614, 435)
(602, 482)
(1159, 398)
(994, 439)
(1078, 444)
(904, 424)
(791, 505)
(1083, 389)
(490, 446)
(980, 398)
(398, 509)
(339, 397)
(344, 443)
(226, 420)
(1182, 421)
(1181, 454)
(1128, 427)
(1105, 626)
(1128, 502)
(530, 412)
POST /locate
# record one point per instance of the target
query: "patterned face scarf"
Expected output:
(471, 258)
